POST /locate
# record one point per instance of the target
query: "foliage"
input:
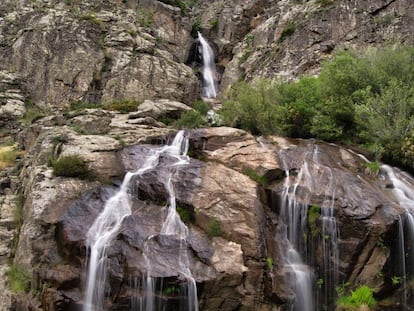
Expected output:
(214, 228)
(184, 213)
(363, 295)
(190, 119)
(287, 31)
(364, 97)
(91, 17)
(373, 167)
(269, 263)
(8, 155)
(396, 280)
(253, 107)
(195, 27)
(123, 105)
(18, 279)
(260, 179)
(201, 106)
(70, 166)
(32, 113)
(145, 17)
(313, 215)
(81, 105)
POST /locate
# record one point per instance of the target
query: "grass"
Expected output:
(71, 166)
(313, 215)
(260, 179)
(287, 31)
(123, 106)
(214, 228)
(8, 156)
(362, 296)
(18, 279)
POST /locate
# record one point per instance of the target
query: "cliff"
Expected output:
(66, 64)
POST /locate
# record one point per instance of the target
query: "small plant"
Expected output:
(172, 290)
(381, 243)
(18, 279)
(319, 283)
(184, 213)
(81, 105)
(269, 263)
(396, 280)
(195, 27)
(363, 295)
(123, 106)
(214, 23)
(214, 228)
(145, 17)
(260, 179)
(287, 31)
(8, 155)
(91, 17)
(70, 166)
(32, 113)
(201, 106)
(190, 119)
(313, 215)
(373, 168)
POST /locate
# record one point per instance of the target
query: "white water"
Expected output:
(403, 190)
(108, 224)
(209, 68)
(294, 218)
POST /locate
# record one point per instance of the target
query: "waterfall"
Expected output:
(297, 228)
(109, 222)
(403, 190)
(293, 216)
(209, 69)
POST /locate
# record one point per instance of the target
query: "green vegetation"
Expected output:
(81, 105)
(70, 166)
(365, 97)
(320, 283)
(8, 155)
(195, 27)
(145, 17)
(32, 113)
(192, 118)
(214, 228)
(287, 31)
(18, 279)
(91, 17)
(269, 263)
(260, 179)
(396, 280)
(184, 213)
(373, 167)
(362, 296)
(123, 106)
(313, 215)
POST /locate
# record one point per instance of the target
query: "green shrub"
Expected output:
(288, 30)
(260, 179)
(201, 106)
(314, 212)
(145, 17)
(190, 119)
(184, 213)
(363, 295)
(81, 105)
(123, 106)
(19, 279)
(70, 166)
(214, 228)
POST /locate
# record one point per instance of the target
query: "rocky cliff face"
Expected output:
(235, 186)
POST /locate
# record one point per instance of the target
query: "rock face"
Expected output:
(235, 192)
(235, 244)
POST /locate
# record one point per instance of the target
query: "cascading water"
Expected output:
(109, 222)
(295, 208)
(403, 190)
(209, 68)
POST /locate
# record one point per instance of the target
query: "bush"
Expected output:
(8, 155)
(214, 228)
(123, 106)
(190, 119)
(18, 279)
(363, 295)
(253, 107)
(70, 166)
